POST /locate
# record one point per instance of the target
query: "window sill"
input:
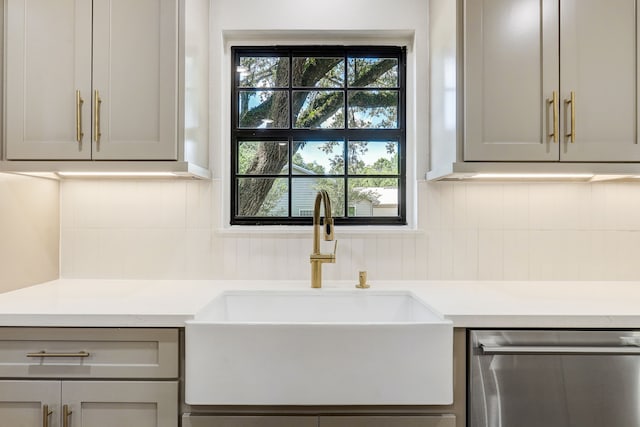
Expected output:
(304, 231)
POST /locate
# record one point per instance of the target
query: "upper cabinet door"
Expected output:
(510, 75)
(135, 76)
(598, 64)
(48, 62)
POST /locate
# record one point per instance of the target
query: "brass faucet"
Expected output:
(317, 258)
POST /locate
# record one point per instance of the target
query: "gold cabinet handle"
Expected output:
(96, 118)
(79, 102)
(46, 413)
(572, 132)
(554, 105)
(66, 413)
(45, 354)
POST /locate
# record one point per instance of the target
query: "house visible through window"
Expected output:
(306, 118)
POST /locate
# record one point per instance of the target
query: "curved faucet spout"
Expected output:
(317, 258)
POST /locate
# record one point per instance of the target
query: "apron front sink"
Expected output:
(318, 347)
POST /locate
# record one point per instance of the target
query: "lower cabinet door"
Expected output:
(120, 403)
(29, 403)
(248, 421)
(388, 421)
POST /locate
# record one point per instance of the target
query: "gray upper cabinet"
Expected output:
(102, 86)
(92, 79)
(524, 60)
(510, 65)
(598, 63)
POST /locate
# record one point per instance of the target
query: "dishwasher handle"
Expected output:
(558, 350)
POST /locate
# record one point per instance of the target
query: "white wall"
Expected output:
(554, 231)
(29, 231)
(355, 22)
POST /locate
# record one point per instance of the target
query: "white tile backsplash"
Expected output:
(483, 231)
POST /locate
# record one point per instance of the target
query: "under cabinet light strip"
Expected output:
(532, 175)
(116, 174)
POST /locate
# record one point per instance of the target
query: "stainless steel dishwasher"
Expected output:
(554, 378)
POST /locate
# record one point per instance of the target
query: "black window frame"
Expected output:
(293, 134)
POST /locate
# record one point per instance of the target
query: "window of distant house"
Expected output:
(306, 118)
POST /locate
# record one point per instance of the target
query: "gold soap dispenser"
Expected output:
(362, 280)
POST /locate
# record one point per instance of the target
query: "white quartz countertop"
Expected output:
(169, 303)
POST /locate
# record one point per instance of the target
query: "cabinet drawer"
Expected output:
(88, 353)
(189, 420)
(446, 420)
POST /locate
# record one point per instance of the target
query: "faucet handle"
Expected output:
(335, 247)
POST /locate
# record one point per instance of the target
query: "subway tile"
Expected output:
(232, 251)
(155, 253)
(372, 262)
(430, 206)
(627, 266)
(465, 255)
(485, 203)
(515, 255)
(515, 213)
(553, 255)
(490, 255)
(627, 206)
(201, 259)
(199, 212)
(434, 249)
(447, 207)
(408, 257)
(422, 256)
(460, 201)
(548, 207)
(389, 253)
(358, 261)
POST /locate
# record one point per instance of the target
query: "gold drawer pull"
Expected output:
(45, 354)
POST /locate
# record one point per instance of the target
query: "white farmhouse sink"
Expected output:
(318, 347)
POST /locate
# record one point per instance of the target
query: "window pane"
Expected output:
(318, 157)
(373, 157)
(263, 157)
(373, 72)
(262, 197)
(318, 72)
(373, 109)
(318, 109)
(263, 72)
(373, 196)
(263, 109)
(304, 190)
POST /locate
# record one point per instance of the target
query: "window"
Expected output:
(306, 118)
